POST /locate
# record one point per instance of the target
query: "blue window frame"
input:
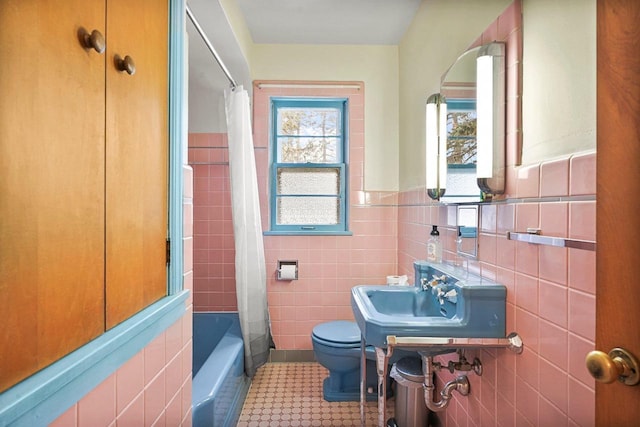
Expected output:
(308, 190)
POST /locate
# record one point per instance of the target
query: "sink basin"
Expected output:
(474, 307)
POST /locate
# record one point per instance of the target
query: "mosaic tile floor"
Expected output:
(290, 394)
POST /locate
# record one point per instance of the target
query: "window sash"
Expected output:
(310, 227)
(339, 136)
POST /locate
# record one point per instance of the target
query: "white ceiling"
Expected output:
(328, 21)
(371, 22)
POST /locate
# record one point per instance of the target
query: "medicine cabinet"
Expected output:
(471, 108)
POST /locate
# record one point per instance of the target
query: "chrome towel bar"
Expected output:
(562, 242)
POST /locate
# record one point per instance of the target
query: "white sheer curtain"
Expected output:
(251, 275)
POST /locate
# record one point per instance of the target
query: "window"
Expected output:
(308, 167)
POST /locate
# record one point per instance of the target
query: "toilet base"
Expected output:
(344, 396)
(345, 387)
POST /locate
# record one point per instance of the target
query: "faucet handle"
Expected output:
(435, 281)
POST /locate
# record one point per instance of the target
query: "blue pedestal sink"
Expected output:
(444, 302)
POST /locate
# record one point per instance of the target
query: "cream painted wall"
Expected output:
(440, 32)
(376, 66)
(559, 78)
(239, 27)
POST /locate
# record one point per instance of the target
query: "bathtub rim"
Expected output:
(204, 390)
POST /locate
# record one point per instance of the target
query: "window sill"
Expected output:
(44, 396)
(307, 233)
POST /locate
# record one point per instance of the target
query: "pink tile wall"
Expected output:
(328, 265)
(214, 251)
(153, 388)
(550, 298)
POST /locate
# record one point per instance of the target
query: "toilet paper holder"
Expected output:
(287, 270)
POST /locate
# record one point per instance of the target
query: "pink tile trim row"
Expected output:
(570, 176)
(554, 178)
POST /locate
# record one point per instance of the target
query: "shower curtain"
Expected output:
(251, 275)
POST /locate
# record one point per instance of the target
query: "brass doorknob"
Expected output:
(619, 365)
(94, 41)
(125, 64)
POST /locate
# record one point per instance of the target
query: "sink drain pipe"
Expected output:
(426, 346)
(460, 384)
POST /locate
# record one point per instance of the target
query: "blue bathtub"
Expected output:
(219, 382)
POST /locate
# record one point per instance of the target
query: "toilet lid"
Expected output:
(339, 331)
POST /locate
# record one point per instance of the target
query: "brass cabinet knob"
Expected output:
(619, 365)
(125, 64)
(94, 41)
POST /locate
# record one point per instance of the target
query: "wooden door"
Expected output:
(618, 200)
(137, 156)
(51, 183)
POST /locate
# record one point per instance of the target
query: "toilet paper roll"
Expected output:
(287, 272)
(397, 280)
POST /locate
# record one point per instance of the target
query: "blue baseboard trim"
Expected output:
(43, 397)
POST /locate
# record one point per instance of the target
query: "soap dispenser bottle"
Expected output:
(434, 246)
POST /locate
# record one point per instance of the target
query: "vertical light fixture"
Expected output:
(436, 146)
(490, 104)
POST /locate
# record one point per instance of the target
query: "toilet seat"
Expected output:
(339, 333)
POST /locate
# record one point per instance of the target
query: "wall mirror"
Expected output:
(467, 222)
(474, 90)
(459, 89)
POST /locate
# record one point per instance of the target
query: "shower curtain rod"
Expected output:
(224, 68)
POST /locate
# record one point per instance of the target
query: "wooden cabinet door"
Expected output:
(51, 183)
(618, 205)
(137, 156)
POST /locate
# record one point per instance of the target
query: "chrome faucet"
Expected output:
(435, 281)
